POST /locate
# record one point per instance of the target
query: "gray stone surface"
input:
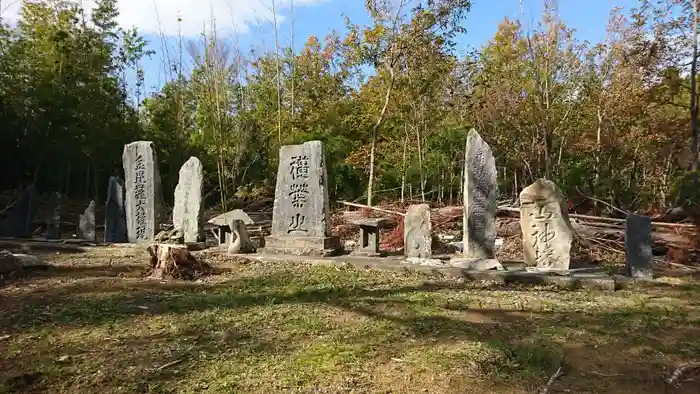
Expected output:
(547, 231)
(240, 241)
(187, 210)
(638, 246)
(53, 221)
(19, 221)
(369, 236)
(480, 193)
(143, 195)
(417, 233)
(115, 215)
(86, 223)
(301, 217)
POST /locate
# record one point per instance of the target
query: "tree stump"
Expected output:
(175, 262)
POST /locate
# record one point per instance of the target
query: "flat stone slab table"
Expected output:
(369, 236)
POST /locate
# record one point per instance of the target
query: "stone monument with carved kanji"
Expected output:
(301, 218)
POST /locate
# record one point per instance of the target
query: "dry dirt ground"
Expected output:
(93, 324)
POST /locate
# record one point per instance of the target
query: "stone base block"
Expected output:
(476, 264)
(367, 253)
(424, 261)
(302, 246)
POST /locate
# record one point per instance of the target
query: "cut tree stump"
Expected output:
(175, 262)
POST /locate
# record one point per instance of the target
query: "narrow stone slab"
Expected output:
(638, 246)
(480, 194)
(301, 215)
(86, 223)
(143, 194)
(53, 221)
(187, 210)
(417, 233)
(547, 231)
(19, 221)
(115, 214)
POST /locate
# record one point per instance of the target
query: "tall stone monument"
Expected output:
(547, 231)
(115, 215)
(480, 193)
(301, 218)
(143, 195)
(638, 246)
(187, 211)
(86, 223)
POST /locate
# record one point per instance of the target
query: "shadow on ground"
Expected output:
(270, 326)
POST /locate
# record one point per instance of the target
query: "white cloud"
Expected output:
(161, 16)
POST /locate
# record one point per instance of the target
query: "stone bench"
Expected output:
(369, 236)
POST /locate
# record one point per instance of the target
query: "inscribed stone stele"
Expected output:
(143, 194)
(187, 210)
(547, 231)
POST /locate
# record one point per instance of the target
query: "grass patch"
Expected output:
(268, 328)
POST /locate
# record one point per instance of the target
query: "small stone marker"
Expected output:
(53, 222)
(417, 235)
(480, 193)
(115, 215)
(638, 246)
(369, 236)
(241, 243)
(142, 191)
(301, 217)
(19, 222)
(86, 224)
(187, 211)
(547, 231)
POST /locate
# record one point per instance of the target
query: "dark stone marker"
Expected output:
(19, 222)
(115, 217)
(86, 224)
(53, 222)
(638, 246)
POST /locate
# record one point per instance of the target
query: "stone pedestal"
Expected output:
(369, 237)
(300, 218)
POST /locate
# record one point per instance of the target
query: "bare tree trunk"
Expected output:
(375, 129)
(403, 163)
(693, 98)
(279, 79)
(420, 164)
(291, 11)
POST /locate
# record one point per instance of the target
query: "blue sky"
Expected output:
(252, 20)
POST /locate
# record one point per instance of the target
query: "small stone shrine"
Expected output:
(115, 216)
(369, 236)
(142, 191)
(228, 226)
(547, 231)
(187, 210)
(638, 246)
(301, 217)
(53, 222)
(480, 193)
(86, 223)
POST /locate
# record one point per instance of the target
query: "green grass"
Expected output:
(268, 328)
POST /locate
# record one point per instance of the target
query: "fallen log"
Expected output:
(356, 205)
